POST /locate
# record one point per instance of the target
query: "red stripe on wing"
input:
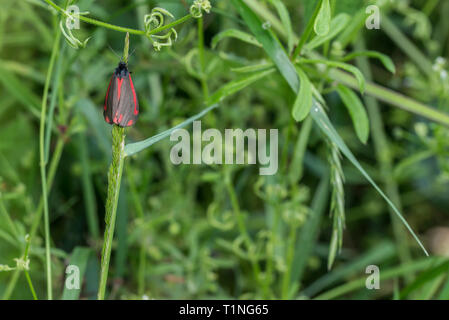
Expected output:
(136, 111)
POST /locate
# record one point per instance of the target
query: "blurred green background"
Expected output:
(178, 233)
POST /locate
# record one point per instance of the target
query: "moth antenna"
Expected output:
(132, 52)
(113, 51)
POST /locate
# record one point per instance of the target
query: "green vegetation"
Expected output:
(362, 114)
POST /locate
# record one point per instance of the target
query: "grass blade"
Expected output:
(136, 147)
(322, 21)
(237, 34)
(357, 111)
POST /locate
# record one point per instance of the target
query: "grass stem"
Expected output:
(54, 53)
(114, 181)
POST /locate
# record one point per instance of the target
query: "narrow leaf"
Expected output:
(322, 21)
(136, 147)
(303, 102)
(338, 24)
(237, 34)
(386, 61)
(237, 85)
(350, 68)
(356, 110)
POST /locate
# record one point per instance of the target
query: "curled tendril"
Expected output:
(198, 6)
(155, 20)
(71, 39)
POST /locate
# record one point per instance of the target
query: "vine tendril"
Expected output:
(154, 20)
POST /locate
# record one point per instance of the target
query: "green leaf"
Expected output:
(336, 26)
(279, 57)
(79, 258)
(286, 22)
(136, 147)
(237, 85)
(18, 90)
(233, 33)
(386, 61)
(356, 110)
(322, 21)
(253, 68)
(426, 277)
(347, 67)
(303, 102)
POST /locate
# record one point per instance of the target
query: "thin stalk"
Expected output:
(242, 226)
(54, 53)
(27, 275)
(88, 189)
(114, 181)
(406, 45)
(202, 58)
(50, 178)
(11, 285)
(305, 36)
(7, 217)
(290, 255)
(123, 29)
(271, 250)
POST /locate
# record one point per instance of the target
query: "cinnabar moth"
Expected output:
(120, 105)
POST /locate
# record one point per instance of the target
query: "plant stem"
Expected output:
(202, 59)
(27, 274)
(241, 225)
(50, 177)
(407, 46)
(43, 164)
(305, 36)
(123, 29)
(290, 254)
(114, 180)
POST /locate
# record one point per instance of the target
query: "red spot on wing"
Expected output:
(119, 87)
(130, 123)
(107, 119)
(120, 118)
(136, 111)
(107, 94)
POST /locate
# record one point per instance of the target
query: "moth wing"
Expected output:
(127, 110)
(110, 99)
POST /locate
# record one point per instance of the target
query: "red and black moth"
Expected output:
(120, 105)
